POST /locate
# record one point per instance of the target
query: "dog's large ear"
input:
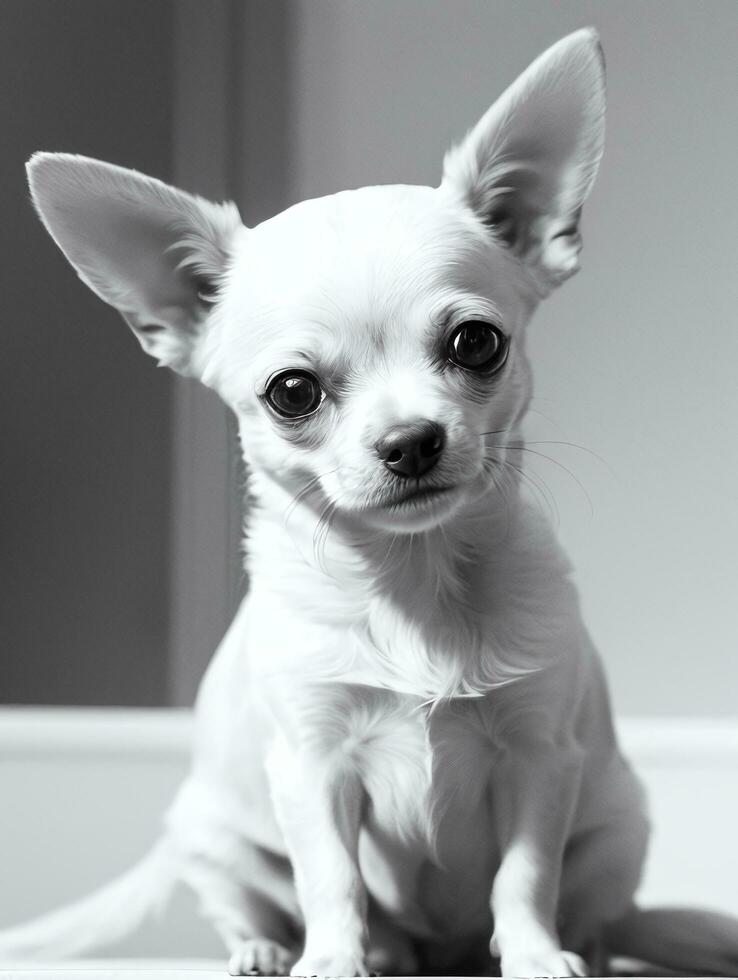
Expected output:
(531, 160)
(155, 253)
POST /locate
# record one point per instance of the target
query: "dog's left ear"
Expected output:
(155, 253)
(529, 163)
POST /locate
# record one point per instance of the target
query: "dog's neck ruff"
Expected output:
(455, 611)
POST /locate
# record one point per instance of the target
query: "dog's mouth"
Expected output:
(413, 508)
(418, 496)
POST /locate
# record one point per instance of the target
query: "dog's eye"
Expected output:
(478, 346)
(294, 394)
(207, 292)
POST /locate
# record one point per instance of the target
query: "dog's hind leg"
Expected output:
(601, 873)
(257, 930)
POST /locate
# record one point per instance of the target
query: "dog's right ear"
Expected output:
(527, 166)
(154, 252)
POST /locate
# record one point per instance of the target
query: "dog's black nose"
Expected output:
(413, 448)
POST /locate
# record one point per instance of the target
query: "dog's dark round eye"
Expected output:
(207, 291)
(478, 346)
(294, 394)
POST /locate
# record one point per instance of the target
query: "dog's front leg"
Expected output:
(318, 802)
(534, 802)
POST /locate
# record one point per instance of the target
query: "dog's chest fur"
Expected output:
(448, 614)
(425, 849)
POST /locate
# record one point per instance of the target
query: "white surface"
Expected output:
(123, 969)
(109, 969)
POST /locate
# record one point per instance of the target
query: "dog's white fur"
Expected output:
(404, 741)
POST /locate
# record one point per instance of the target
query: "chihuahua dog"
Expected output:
(405, 756)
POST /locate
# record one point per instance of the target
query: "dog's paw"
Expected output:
(260, 958)
(335, 965)
(554, 963)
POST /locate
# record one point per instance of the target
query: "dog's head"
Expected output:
(369, 342)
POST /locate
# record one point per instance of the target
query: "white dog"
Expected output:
(405, 756)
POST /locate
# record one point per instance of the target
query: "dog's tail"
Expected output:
(101, 918)
(678, 940)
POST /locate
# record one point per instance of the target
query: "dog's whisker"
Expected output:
(506, 483)
(537, 411)
(385, 563)
(502, 483)
(537, 484)
(320, 535)
(301, 494)
(545, 493)
(562, 442)
(492, 432)
(525, 448)
(294, 502)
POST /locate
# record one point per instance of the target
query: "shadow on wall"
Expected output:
(86, 422)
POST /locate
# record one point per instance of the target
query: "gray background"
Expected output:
(635, 359)
(85, 421)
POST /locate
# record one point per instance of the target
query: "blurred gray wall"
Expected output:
(85, 425)
(636, 359)
(121, 501)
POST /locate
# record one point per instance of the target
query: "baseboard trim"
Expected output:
(679, 742)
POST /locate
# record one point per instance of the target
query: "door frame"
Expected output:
(230, 140)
